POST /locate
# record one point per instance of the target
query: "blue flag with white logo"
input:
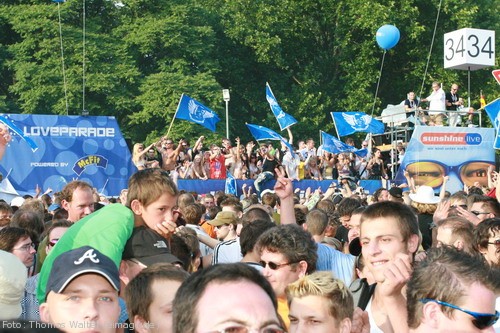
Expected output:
(351, 122)
(493, 111)
(333, 145)
(263, 133)
(191, 110)
(284, 120)
(230, 187)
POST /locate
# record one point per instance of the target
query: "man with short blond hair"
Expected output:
(319, 303)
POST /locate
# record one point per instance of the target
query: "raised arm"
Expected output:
(284, 190)
(411, 183)
(442, 192)
(238, 156)
(5, 138)
(196, 146)
(290, 136)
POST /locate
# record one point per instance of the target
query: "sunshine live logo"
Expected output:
(451, 138)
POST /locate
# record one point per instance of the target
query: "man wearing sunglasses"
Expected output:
(482, 208)
(287, 253)
(452, 291)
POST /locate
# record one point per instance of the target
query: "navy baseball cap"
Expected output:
(71, 264)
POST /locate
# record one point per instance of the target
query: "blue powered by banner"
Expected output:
(50, 151)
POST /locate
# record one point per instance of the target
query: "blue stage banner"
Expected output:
(213, 185)
(50, 151)
(462, 154)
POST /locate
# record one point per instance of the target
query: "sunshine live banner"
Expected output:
(50, 151)
(462, 154)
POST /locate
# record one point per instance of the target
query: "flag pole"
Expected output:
(106, 183)
(378, 83)
(335, 125)
(175, 114)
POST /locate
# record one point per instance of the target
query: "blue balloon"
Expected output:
(387, 36)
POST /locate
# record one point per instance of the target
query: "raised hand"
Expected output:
(283, 187)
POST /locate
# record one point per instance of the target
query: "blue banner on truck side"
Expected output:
(50, 151)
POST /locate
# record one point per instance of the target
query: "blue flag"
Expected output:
(263, 133)
(284, 120)
(230, 187)
(191, 110)
(493, 111)
(351, 122)
(333, 145)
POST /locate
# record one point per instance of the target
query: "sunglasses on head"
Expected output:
(481, 320)
(274, 266)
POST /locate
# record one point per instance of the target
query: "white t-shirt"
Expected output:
(291, 164)
(227, 252)
(437, 101)
(373, 326)
(204, 249)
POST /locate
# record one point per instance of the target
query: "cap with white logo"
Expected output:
(71, 264)
(148, 247)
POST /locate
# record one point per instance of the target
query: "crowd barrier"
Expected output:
(212, 185)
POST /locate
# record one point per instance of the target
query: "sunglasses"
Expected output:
(496, 242)
(475, 212)
(461, 206)
(481, 320)
(274, 266)
(53, 242)
(431, 173)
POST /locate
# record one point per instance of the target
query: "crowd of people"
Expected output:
(252, 160)
(164, 260)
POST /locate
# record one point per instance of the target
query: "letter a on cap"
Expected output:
(88, 255)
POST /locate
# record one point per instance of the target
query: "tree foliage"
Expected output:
(318, 56)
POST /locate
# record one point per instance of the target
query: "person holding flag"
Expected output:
(267, 152)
